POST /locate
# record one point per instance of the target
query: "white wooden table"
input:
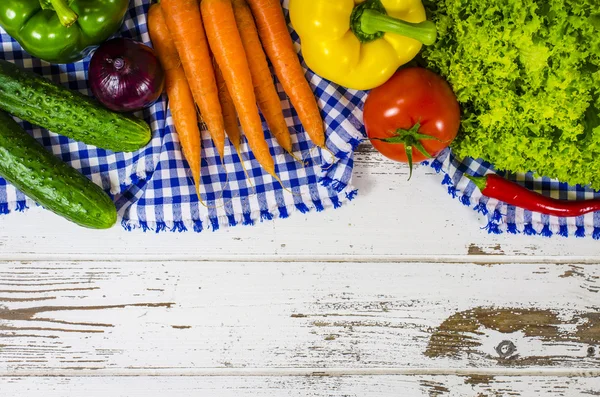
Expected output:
(399, 293)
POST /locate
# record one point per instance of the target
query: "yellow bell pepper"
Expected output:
(360, 44)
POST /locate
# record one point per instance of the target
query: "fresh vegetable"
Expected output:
(232, 126)
(125, 75)
(181, 100)
(413, 116)
(229, 53)
(527, 76)
(187, 29)
(53, 184)
(42, 102)
(61, 31)
(496, 187)
(360, 44)
(264, 88)
(279, 47)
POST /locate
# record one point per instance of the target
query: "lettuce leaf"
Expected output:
(527, 74)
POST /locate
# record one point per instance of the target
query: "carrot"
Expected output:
(232, 127)
(181, 101)
(185, 24)
(278, 45)
(264, 88)
(228, 50)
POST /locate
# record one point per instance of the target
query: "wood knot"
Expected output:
(506, 349)
(591, 351)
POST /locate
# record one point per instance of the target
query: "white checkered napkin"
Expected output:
(152, 187)
(507, 218)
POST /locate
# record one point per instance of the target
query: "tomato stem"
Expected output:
(411, 139)
(409, 157)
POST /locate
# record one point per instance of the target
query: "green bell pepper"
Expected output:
(61, 31)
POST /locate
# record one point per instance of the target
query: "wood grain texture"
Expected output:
(300, 386)
(397, 293)
(193, 318)
(392, 219)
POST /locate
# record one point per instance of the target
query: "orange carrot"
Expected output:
(185, 24)
(181, 101)
(279, 47)
(232, 127)
(228, 50)
(264, 88)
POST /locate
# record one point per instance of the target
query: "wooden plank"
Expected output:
(292, 386)
(119, 318)
(392, 219)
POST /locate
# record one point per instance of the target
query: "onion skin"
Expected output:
(125, 75)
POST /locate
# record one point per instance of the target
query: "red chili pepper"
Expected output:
(496, 187)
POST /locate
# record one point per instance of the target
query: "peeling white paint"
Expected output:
(351, 297)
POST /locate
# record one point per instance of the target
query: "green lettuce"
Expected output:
(526, 73)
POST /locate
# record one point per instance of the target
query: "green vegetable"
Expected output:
(53, 184)
(70, 113)
(61, 31)
(526, 73)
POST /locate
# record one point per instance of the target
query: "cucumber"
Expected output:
(41, 102)
(46, 179)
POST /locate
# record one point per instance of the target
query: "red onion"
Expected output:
(125, 75)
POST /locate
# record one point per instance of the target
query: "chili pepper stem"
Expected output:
(65, 14)
(479, 181)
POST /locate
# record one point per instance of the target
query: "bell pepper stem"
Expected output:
(479, 181)
(65, 14)
(373, 21)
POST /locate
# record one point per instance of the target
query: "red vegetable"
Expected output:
(413, 116)
(125, 75)
(496, 187)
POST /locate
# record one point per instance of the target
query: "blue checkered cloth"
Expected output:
(153, 188)
(503, 218)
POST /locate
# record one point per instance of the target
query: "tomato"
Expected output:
(413, 116)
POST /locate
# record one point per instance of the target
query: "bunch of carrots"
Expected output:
(213, 53)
